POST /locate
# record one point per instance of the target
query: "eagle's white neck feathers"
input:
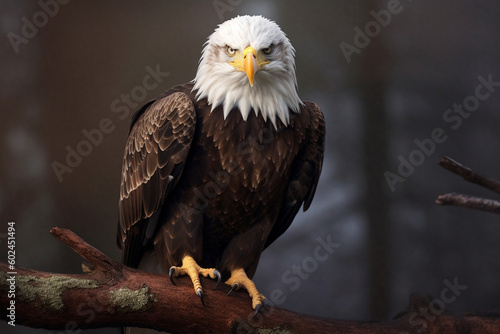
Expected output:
(274, 91)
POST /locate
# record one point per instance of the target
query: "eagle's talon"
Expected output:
(233, 287)
(257, 309)
(199, 292)
(171, 275)
(193, 270)
(240, 279)
(264, 303)
(219, 277)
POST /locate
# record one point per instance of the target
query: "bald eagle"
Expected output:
(215, 170)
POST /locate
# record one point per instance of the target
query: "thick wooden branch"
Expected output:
(112, 295)
(467, 201)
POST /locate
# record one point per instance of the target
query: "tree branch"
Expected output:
(467, 201)
(113, 295)
(469, 175)
(471, 202)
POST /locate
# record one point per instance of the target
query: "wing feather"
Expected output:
(155, 154)
(306, 170)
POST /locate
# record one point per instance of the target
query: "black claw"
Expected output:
(217, 274)
(264, 304)
(171, 275)
(200, 294)
(234, 287)
(257, 309)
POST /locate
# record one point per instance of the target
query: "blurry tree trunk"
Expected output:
(371, 83)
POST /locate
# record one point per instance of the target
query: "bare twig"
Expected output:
(469, 175)
(113, 295)
(469, 202)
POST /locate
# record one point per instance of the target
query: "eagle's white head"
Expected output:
(248, 63)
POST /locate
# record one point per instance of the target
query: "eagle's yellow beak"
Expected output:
(250, 61)
(250, 65)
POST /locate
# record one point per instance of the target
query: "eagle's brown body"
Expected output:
(219, 190)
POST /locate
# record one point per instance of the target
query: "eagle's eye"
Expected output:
(268, 50)
(230, 51)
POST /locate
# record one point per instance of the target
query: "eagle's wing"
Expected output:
(305, 171)
(155, 154)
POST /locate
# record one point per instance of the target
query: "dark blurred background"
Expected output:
(63, 71)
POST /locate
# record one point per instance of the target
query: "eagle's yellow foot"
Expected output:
(240, 279)
(193, 270)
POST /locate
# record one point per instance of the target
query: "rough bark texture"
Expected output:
(111, 295)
